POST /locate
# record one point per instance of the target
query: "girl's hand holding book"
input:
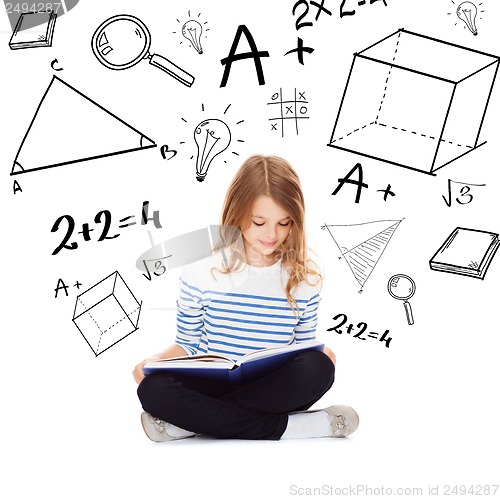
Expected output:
(330, 354)
(137, 372)
(172, 351)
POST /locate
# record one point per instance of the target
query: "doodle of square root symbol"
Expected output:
(415, 101)
(106, 313)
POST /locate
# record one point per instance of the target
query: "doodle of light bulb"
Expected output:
(192, 31)
(467, 12)
(212, 137)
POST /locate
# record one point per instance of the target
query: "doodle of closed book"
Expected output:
(221, 368)
(33, 29)
(466, 252)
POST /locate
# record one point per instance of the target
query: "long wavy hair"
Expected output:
(274, 177)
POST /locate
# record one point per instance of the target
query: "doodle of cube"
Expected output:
(106, 313)
(415, 101)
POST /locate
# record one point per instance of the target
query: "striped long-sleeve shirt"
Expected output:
(237, 313)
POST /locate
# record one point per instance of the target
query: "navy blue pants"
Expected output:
(256, 410)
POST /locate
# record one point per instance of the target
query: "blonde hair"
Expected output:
(274, 177)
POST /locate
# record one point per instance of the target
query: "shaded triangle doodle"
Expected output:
(68, 127)
(362, 245)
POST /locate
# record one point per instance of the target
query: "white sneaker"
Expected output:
(344, 420)
(157, 429)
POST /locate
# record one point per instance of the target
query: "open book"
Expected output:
(219, 367)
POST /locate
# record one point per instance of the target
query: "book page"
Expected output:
(192, 363)
(197, 358)
(269, 352)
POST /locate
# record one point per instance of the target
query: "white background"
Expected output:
(428, 404)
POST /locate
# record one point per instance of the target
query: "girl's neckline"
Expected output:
(264, 267)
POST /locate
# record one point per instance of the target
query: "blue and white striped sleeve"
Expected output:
(306, 327)
(190, 313)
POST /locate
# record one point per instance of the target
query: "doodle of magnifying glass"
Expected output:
(122, 41)
(402, 287)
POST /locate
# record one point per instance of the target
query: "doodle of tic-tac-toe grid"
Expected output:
(288, 110)
(415, 101)
(106, 313)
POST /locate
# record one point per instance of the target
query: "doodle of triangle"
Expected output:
(68, 127)
(362, 245)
